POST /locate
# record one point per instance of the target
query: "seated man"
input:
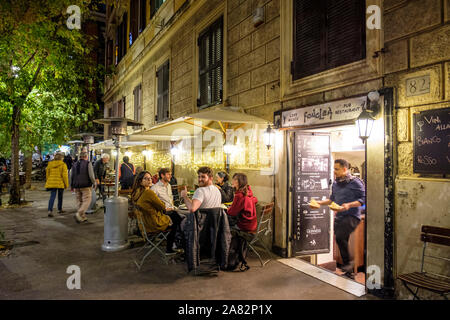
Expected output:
(163, 189)
(206, 196)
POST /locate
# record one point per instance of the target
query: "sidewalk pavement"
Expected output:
(37, 270)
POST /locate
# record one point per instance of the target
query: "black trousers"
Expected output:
(343, 227)
(174, 228)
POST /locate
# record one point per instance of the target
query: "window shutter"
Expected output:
(346, 36)
(309, 30)
(142, 15)
(134, 16)
(115, 111)
(327, 34)
(211, 64)
(160, 98)
(165, 114)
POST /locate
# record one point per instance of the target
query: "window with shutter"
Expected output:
(134, 20)
(137, 96)
(142, 15)
(109, 52)
(210, 44)
(121, 39)
(327, 34)
(162, 113)
(137, 19)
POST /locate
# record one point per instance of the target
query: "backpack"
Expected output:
(238, 254)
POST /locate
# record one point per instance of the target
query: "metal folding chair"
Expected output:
(263, 229)
(153, 241)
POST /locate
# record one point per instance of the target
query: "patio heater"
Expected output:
(76, 144)
(88, 139)
(116, 208)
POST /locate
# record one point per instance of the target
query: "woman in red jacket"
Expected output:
(243, 206)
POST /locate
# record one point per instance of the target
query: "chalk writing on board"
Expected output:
(431, 143)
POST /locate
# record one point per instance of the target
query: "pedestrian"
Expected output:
(68, 161)
(243, 208)
(349, 194)
(225, 189)
(57, 181)
(82, 179)
(100, 173)
(126, 174)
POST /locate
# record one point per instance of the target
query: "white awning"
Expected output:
(222, 118)
(109, 144)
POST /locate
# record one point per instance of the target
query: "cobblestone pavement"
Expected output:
(37, 269)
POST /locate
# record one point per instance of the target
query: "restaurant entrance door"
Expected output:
(314, 152)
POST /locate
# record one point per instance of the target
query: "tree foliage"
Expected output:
(45, 73)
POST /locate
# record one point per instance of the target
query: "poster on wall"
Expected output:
(311, 227)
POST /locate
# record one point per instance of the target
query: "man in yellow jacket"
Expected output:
(57, 181)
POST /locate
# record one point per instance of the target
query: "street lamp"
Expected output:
(268, 136)
(365, 123)
(367, 117)
(116, 208)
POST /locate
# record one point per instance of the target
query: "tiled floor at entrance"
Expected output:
(331, 278)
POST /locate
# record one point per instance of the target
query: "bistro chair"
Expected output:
(263, 229)
(153, 241)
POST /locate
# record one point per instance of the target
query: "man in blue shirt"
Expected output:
(349, 193)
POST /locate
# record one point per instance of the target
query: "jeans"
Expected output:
(51, 201)
(343, 227)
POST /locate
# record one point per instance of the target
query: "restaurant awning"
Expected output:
(218, 119)
(109, 144)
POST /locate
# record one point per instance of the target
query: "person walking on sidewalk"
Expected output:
(82, 179)
(57, 181)
(126, 174)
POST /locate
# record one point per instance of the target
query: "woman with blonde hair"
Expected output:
(57, 181)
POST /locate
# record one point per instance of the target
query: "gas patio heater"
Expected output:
(88, 139)
(116, 208)
(76, 144)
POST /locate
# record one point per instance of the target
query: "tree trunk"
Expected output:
(28, 163)
(14, 197)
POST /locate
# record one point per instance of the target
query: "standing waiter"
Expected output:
(349, 193)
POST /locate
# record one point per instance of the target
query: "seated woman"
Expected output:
(244, 204)
(225, 189)
(153, 209)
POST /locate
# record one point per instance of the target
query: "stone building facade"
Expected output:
(413, 41)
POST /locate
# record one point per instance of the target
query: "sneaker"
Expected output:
(50, 214)
(61, 211)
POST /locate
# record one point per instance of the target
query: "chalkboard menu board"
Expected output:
(311, 227)
(432, 141)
